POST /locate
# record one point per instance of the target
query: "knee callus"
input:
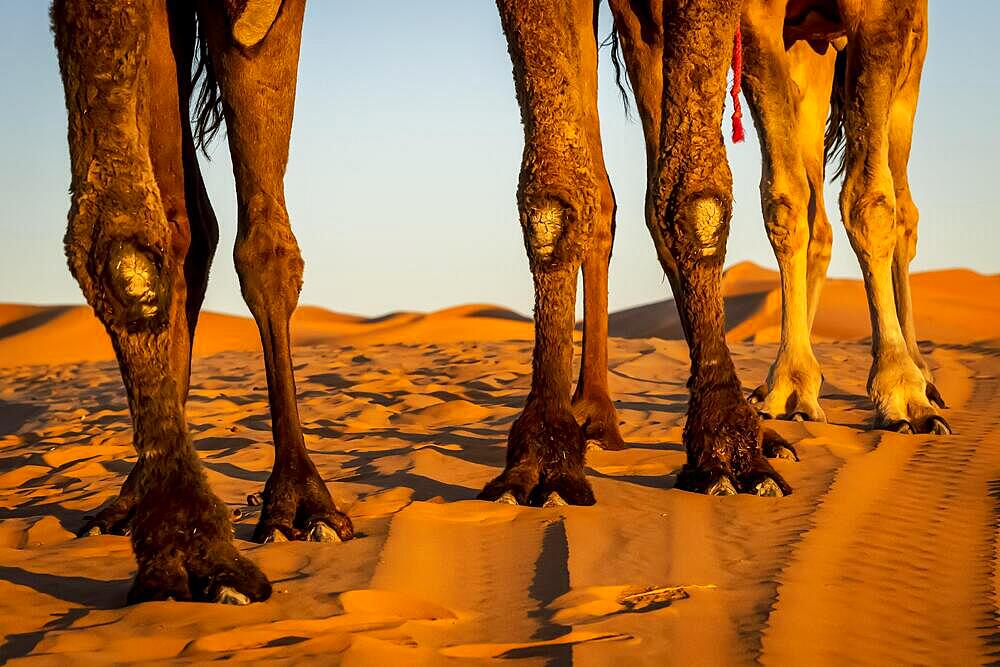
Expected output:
(552, 230)
(267, 257)
(137, 291)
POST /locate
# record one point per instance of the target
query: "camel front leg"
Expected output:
(592, 404)
(904, 109)
(554, 53)
(692, 200)
(127, 248)
(258, 88)
(781, 109)
(183, 192)
(876, 54)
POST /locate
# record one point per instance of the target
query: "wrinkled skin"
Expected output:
(677, 56)
(140, 241)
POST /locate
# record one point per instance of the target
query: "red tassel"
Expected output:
(738, 134)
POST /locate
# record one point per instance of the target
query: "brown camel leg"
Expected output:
(640, 32)
(878, 49)
(259, 92)
(692, 194)
(904, 109)
(116, 517)
(592, 404)
(126, 243)
(789, 115)
(554, 51)
(687, 213)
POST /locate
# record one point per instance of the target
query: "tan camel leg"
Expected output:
(127, 241)
(689, 204)
(259, 92)
(789, 114)
(554, 52)
(877, 52)
(904, 109)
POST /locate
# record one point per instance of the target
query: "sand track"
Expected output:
(887, 552)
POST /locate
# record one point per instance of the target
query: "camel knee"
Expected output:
(869, 212)
(603, 232)
(696, 228)
(907, 216)
(267, 258)
(820, 239)
(126, 258)
(785, 208)
(137, 291)
(557, 226)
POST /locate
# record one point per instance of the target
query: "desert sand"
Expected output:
(888, 552)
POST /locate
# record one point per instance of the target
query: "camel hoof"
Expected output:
(938, 426)
(800, 417)
(782, 452)
(768, 488)
(229, 595)
(275, 537)
(758, 395)
(321, 532)
(554, 500)
(934, 396)
(506, 499)
(903, 426)
(722, 487)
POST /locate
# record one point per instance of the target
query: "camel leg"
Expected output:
(640, 33)
(904, 108)
(878, 48)
(677, 63)
(126, 244)
(116, 517)
(788, 113)
(259, 92)
(554, 52)
(592, 404)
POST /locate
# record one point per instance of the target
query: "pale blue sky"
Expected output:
(405, 153)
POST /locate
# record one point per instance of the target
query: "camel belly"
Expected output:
(815, 21)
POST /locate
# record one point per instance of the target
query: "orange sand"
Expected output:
(887, 552)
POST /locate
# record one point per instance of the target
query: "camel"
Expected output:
(677, 54)
(140, 239)
(860, 62)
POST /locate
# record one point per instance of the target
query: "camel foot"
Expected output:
(544, 457)
(183, 548)
(904, 401)
(776, 447)
(934, 425)
(727, 450)
(794, 405)
(298, 507)
(115, 519)
(598, 418)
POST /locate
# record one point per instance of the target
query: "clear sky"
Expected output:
(405, 153)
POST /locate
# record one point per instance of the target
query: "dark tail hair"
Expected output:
(208, 115)
(835, 141)
(616, 61)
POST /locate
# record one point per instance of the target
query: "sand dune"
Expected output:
(888, 552)
(952, 306)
